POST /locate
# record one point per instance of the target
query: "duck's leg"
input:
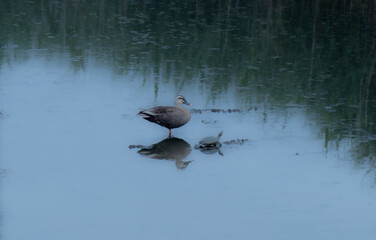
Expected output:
(169, 132)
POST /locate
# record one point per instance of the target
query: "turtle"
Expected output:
(210, 142)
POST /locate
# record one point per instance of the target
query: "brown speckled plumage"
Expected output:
(168, 116)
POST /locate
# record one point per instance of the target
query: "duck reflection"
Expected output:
(169, 149)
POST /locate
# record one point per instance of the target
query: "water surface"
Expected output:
(74, 76)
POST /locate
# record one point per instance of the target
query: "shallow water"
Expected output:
(70, 173)
(304, 170)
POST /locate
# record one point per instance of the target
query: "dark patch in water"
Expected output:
(208, 121)
(133, 146)
(216, 110)
(236, 141)
(3, 171)
(3, 115)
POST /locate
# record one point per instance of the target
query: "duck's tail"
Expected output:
(145, 114)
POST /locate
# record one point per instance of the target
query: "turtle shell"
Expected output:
(210, 141)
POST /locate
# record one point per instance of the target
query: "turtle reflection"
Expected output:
(170, 149)
(210, 150)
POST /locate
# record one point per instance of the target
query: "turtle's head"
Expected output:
(220, 134)
(180, 99)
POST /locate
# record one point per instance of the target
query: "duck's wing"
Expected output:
(169, 117)
(157, 112)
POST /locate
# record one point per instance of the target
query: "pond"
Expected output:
(291, 85)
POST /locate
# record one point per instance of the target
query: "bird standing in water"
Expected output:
(169, 116)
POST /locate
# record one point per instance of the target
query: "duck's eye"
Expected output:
(181, 99)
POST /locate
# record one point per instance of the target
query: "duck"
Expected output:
(169, 117)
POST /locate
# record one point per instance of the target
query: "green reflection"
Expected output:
(314, 54)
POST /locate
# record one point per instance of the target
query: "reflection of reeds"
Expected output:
(216, 110)
(236, 141)
(319, 54)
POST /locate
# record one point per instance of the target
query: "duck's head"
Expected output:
(180, 99)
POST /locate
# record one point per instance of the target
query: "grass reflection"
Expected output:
(320, 55)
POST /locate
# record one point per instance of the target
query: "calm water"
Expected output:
(73, 76)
